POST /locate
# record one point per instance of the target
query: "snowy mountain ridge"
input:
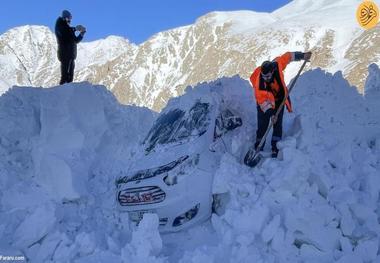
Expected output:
(217, 44)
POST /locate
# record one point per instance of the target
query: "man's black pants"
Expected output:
(262, 125)
(67, 71)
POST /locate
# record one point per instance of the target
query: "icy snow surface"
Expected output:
(62, 148)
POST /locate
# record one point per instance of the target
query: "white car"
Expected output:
(173, 175)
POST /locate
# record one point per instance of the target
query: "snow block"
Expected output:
(271, 229)
(146, 242)
(372, 84)
(36, 226)
(367, 250)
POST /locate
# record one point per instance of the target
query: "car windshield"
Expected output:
(179, 126)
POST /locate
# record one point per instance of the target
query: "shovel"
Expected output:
(253, 157)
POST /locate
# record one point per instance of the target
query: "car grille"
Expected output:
(141, 196)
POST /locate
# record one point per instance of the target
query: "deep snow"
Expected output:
(61, 149)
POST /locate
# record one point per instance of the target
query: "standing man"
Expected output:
(270, 90)
(67, 45)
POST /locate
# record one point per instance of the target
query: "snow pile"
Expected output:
(61, 148)
(320, 203)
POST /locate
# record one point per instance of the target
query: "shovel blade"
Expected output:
(252, 158)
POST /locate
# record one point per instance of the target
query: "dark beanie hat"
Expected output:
(267, 67)
(66, 14)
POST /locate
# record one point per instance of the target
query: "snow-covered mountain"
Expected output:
(62, 148)
(217, 44)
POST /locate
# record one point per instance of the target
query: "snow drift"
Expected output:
(61, 149)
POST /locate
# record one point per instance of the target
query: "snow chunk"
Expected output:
(367, 250)
(372, 84)
(271, 229)
(146, 241)
(35, 227)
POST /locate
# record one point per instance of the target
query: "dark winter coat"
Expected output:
(67, 40)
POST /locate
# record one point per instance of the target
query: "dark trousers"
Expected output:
(262, 125)
(67, 71)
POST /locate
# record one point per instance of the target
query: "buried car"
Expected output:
(173, 174)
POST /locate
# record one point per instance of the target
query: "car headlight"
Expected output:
(186, 217)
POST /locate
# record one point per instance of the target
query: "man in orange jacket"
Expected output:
(270, 89)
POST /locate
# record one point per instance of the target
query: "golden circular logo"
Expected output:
(367, 14)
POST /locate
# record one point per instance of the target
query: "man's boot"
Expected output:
(274, 149)
(274, 153)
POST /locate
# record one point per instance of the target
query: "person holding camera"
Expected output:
(67, 45)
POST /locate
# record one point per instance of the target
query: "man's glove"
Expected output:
(266, 105)
(307, 55)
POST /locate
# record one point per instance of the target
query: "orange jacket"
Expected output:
(266, 99)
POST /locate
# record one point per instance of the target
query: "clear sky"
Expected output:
(135, 20)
